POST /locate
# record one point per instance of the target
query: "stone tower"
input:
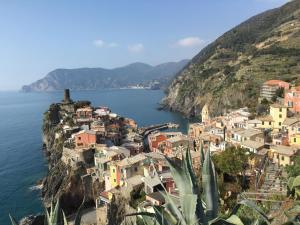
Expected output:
(205, 114)
(67, 98)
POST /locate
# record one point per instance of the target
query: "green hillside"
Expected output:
(229, 72)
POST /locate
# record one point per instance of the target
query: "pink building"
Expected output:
(292, 99)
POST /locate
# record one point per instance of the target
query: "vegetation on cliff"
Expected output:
(228, 73)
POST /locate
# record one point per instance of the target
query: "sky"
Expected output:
(37, 36)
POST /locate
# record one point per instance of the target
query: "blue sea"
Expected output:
(22, 162)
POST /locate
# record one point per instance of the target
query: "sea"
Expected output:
(22, 162)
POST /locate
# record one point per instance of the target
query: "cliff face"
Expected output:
(62, 181)
(228, 73)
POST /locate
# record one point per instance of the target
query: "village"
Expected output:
(125, 158)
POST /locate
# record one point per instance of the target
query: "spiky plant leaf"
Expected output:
(255, 208)
(64, 218)
(163, 217)
(172, 207)
(79, 213)
(181, 177)
(199, 206)
(290, 183)
(234, 219)
(188, 206)
(13, 220)
(210, 188)
(56, 214)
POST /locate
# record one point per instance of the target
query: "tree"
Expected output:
(233, 161)
(294, 170)
(280, 92)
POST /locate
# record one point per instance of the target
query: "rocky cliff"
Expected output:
(228, 73)
(62, 181)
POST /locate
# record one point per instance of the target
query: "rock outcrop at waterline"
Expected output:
(229, 72)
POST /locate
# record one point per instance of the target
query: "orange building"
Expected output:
(155, 140)
(292, 99)
(85, 138)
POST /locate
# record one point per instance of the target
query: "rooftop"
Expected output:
(177, 139)
(246, 132)
(252, 144)
(283, 150)
(132, 160)
(290, 121)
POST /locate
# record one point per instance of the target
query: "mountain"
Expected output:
(228, 73)
(99, 78)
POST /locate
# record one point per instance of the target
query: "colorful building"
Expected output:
(279, 114)
(282, 155)
(121, 171)
(269, 88)
(292, 99)
(85, 138)
(176, 145)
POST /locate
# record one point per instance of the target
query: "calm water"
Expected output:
(21, 159)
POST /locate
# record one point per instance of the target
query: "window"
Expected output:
(79, 138)
(263, 122)
(299, 129)
(115, 180)
(282, 157)
(280, 115)
(270, 123)
(114, 170)
(135, 169)
(279, 123)
(280, 109)
(295, 140)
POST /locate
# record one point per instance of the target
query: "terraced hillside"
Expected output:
(229, 72)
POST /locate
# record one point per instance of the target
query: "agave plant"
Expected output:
(195, 207)
(56, 216)
(294, 187)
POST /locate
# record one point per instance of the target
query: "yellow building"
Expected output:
(114, 175)
(279, 114)
(282, 155)
(267, 122)
(295, 139)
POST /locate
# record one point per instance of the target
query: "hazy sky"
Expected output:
(39, 36)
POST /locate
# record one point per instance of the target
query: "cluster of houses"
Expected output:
(114, 152)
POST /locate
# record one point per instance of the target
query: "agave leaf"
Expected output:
(234, 219)
(290, 183)
(169, 202)
(79, 213)
(55, 216)
(163, 217)
(64, 218)
(181, 177)
(172, 207)
(219, 221)
(210, 188)
(296, 182)
(188, 206)
(13, 220)
(199, 206)
(255, 208)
